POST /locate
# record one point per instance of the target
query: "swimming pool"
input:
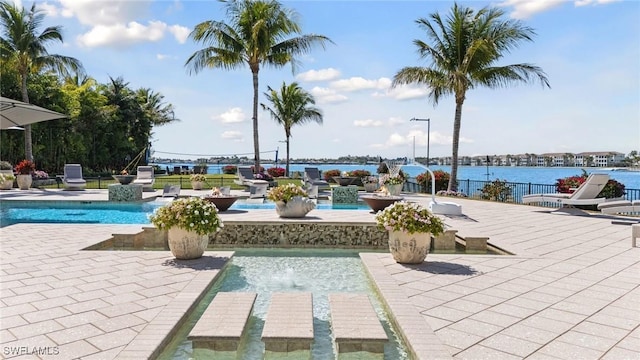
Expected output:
(103, 212)
(267, 271)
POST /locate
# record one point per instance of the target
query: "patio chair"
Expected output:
(620, 207)
(145, 177)
(72, 179)
(312, 177)
(171, 190)
(585, 194)
(245, 177)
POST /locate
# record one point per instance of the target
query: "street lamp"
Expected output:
(428, 134)
(287, 163)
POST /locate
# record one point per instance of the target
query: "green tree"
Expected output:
(258, 33)
(465, 47)
(291, 106)
(21, 45)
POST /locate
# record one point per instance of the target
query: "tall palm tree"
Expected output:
(291, 106)
(21, 45)
(465, 47)
(258, 33)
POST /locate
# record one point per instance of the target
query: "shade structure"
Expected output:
(18, 113)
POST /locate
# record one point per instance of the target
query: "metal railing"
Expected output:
(473, 189)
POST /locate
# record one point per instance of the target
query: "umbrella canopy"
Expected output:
(18, 113)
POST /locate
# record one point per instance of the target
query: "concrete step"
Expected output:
(355, 324)
(288, 326)
(223, 323)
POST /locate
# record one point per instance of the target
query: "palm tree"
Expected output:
(257, 34)
(26, 50)
(465, 48)
(291, 106)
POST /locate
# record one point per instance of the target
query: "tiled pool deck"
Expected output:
(572, 291)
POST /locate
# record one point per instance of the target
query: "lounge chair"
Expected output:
(171, 190)
(72, 179)
(312, 177)
(145, 177)
(257, 188)
(585, 194)
(620, 207)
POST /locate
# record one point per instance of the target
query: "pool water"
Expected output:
(103, 212)
(265, 272)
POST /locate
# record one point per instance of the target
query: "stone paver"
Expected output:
(570, 291)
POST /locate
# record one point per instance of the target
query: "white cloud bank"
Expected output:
(319, 75)
(231, 116)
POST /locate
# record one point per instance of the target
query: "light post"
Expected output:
(428, 134)
(287, 163)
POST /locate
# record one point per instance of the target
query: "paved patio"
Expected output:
(572, 291)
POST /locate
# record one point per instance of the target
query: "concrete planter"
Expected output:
(409, 248)
(186, 245)
(24, 181)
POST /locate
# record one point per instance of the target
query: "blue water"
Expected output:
(75, 212)
(520, 174)
(290, 271)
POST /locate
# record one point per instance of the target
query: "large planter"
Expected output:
(197, 185)
(124, 179)
(297, 207)
(377, 203)
(223, 203)
(394, 189)
(186, 245)
(409, 248)
(24, 181)
(370, 187)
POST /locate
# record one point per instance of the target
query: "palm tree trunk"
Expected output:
(287, 170)
(28, 147)
(453, 180)
(256, 143)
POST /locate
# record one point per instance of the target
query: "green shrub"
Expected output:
(496, 190)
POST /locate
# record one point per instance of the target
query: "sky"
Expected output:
(589, 49)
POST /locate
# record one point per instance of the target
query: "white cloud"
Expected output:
(359, 83)
(395, 121)
(181, 33)
(162, 56)
(48, 9)
(318, 75)
(327, 96)
(403, 92)
(593, 2)
(232, 135)
(108, 13)
(233, 115)
(120, 35)
(368, 123)
(523, 9)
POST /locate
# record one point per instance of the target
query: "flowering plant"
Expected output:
(409, 217)
(262, 176)
(387, 179)
(198, 177)
(286, 192)
(6, 177)
(40, 175)
(25, 167)
(451, 193)
(192, 213)
(369, 179)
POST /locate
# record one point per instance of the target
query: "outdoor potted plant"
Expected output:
(221, 198)
(291, 201)
(393, 183)
(410, 227)
(188, 222)
(197, 181)
(24, 170)
(370, 183)
(6, 181)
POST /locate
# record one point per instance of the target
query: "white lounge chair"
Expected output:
(171, 190)
(312, 177)
(585, 194)
(145, 177)
(257, 188)
(620, 207)
(245, 176)
(72, 179)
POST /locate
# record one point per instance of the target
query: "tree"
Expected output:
(466, 45)
(21, 45)
(291, 106)
(257, 34)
